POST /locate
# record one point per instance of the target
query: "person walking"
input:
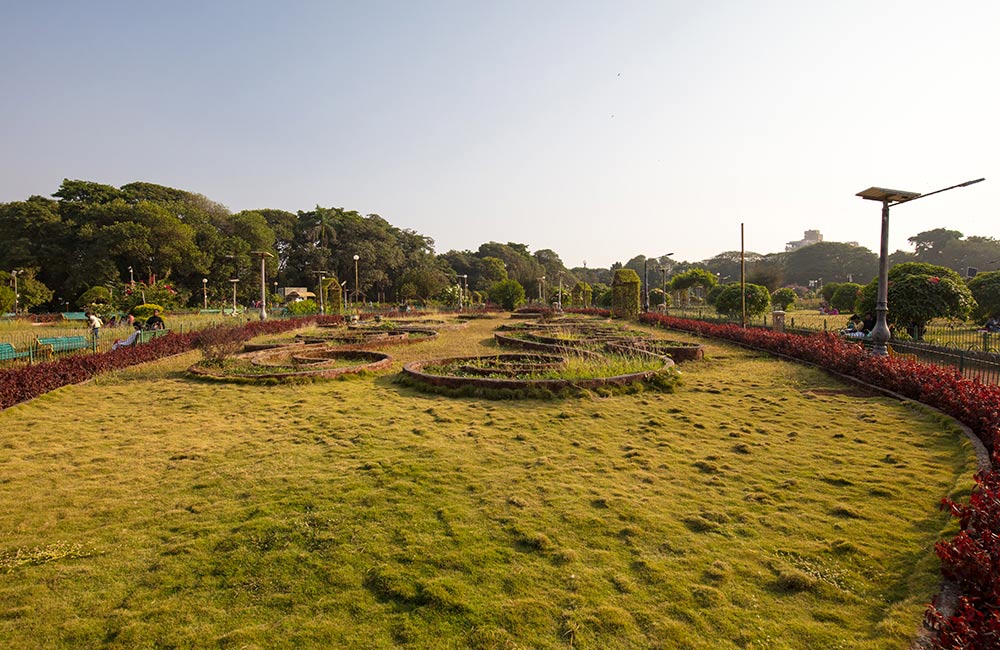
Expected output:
(94, 323)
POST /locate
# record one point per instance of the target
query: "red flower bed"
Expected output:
(27, 382)
(972, 558)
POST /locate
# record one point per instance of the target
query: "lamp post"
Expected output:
(663, 270)
(541, 289)
(357, 289)
(263, 282)
(320, 275)
(560, 290)
(889, 198)
(13, 274)
(204, 290)
(131, 277)
(461, 290)
(234, 281)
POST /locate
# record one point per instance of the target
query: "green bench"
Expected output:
(62, 344)
(74, 315)
(9, 353)
(146, 336)
(209, 311)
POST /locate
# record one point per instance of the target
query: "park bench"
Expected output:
(48, 345)
(9, 353)
(74, 315)
(146, 336)
(209, 311)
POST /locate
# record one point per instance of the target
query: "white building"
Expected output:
(810, 237)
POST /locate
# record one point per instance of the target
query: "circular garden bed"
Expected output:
(291, 363)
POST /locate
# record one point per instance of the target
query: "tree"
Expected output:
(509, 294)
(845, 298)
(985, 288)
(728, 302)
(6, 299)
(918, 293)
(830, 262)
(931, 242)
(783, 298)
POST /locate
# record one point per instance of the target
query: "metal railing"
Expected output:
(963, 346)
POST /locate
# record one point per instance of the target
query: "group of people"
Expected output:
(858, 327)
(154, 322)
(992, 325)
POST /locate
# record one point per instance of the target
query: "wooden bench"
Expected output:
(9, 353)
(53, 344)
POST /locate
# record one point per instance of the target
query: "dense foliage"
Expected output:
(985, 288)
(845, 297)
(919, 293)
(728, 302)
(509, 294)
(783, 298)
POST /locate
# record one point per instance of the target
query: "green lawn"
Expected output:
(762, 505)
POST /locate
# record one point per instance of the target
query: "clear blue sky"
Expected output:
(600, 130)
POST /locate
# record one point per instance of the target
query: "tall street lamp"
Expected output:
(560, 290)
(263, 282)
(13, 274)
(541, 289)
(663, 271)
(461, 290)
(234, 281)
(131, 277)
(357, 289)
(204, 290)
(889, 198)
(320, 275)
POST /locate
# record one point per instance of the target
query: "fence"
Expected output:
(962, 346)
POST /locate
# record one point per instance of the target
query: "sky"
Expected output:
(599, 129)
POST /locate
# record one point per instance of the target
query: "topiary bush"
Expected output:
(509, 294)
(758, 299)
(144, 311)
(625, 294)
(845, 298)
(581, 295)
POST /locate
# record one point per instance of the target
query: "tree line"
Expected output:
(89, 239)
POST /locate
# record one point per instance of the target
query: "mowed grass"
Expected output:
(762, 505)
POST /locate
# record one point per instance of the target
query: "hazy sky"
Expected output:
(600, 130)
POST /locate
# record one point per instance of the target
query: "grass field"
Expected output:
(762, 505)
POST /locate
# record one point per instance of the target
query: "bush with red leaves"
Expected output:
(23, 383)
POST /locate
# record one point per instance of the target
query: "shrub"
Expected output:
(144, 311)
(302, 307)
(783, 298)
(581, 295)
(985, 288)
(509, 294)
(845, 298)
(758, 299)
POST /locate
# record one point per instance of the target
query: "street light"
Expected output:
(560, 290)
(263, 282)
(322, 304)
(541, 289)
(461, 289)
(204, 290)
(889, 198)
(357, 289)
(663, 271)
(234, 281)
(131, 277)
(13, 274)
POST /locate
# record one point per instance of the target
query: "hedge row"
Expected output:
(972, 558)
(22, 383)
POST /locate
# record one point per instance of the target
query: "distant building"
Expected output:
(810, 237)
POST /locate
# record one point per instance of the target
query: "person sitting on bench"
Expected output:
(154, 322)
(130, 340)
